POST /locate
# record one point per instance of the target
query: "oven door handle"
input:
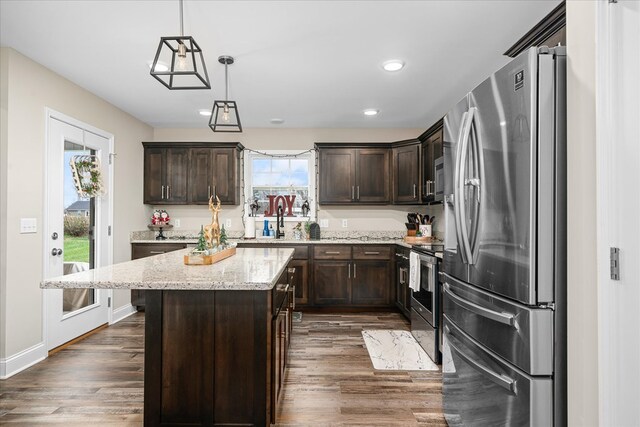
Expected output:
(502, 380)
(500, 317)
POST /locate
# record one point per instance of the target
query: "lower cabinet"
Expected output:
(301, 280)
(143, 250)
(359, 276)
(403, 293)
(280, 342)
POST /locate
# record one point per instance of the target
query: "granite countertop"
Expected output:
(273, 241)
(249, 269)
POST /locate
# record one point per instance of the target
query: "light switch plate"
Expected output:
(176, 223)
(227, 223)
(324, 223)
(28, 225)
(345, 223)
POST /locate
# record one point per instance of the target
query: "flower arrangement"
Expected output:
(86, 175)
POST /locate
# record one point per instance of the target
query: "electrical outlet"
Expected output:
(345, 223)
(324, 223)
(227, 223)
(176, 223)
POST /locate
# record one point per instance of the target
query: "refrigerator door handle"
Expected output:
(460, 175)
(501, 317)
(456, 193)
(477, 181)
(502, 380)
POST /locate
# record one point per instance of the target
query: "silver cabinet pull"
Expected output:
(162, 197)
(353, 192)
(373, 253)
(157, 252)
(293, 307)
(209, 192)
(354, 270)
(358, 192)
(501, 317)
(215, 192)
(349, 266)
(414, 191)
(168, 192)
(332, 252)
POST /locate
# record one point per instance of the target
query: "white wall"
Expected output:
(582, 306)
(362, 218)
(28, 88)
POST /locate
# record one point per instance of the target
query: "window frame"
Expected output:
(249, 156)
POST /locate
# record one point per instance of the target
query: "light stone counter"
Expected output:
(331, 241)
(249, 269)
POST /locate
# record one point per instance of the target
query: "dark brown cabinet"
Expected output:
(346, 275)
(407, 173)
(143, 250)
(187, 173)
(349, 175)
(301, 280)
(211, 170)
(166, 169)
(280, 343)
(403, 292)
(431, 150)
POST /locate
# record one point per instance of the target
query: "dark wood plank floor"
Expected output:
(330, 380)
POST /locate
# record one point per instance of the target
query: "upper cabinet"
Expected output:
(550, 32)
(407, 175)
(431, 150)
(188, 173)
(351, 174)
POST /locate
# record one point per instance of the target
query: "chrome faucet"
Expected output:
(279, 222)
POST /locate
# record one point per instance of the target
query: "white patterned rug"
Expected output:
(396, 350)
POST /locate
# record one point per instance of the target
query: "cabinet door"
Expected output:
(331, 282)
(371, 283)
(336, 171)
(224, 175)
(278, 361)
(372, 175)
(301, 280)
(154, 167)
(200, 176)
(401, 286)
(406, 174)
(177, 172)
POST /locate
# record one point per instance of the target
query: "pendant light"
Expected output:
(179, 63)
(224, 117)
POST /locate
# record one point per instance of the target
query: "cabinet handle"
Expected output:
(354, 270)
(353, 192)
(349, 266)
(157, 252)
(209, 192)
(168, 192)
(358, 192)
(414, 191)
(162, 197)
(293, 297)
(373, 253)
(332, 252)
(215, 192)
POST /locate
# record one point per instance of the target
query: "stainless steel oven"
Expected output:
(425, 307)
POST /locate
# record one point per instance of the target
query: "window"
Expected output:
(280, 173)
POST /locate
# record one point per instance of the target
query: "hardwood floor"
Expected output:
(330, 380)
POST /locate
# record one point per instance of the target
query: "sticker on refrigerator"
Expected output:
(519, 80)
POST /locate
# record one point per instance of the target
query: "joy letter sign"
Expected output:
(275, 201)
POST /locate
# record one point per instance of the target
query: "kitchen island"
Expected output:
(216, 336)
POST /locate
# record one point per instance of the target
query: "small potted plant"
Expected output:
(297, 231)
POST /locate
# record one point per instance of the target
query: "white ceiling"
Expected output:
(311, 63)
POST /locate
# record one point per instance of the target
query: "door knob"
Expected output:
(56, 251)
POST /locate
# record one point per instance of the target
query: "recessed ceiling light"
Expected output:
(161, 67)
(370, 112)
(204, 112)
(277, 121)
(393, 65)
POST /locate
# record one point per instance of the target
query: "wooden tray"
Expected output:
(413, 239)
(196, 259)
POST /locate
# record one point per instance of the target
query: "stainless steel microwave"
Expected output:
(439, 179)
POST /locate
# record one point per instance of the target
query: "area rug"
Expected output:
(396, 351)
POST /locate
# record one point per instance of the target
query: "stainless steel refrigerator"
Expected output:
(504, 281)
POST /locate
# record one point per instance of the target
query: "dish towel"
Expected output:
(414, 271)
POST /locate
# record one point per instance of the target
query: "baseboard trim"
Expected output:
(122, 313)
(22, 360)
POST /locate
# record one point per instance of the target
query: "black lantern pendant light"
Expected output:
(179, 63)
(224, 117)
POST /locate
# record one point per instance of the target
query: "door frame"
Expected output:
(53, 114)
(614, 140)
